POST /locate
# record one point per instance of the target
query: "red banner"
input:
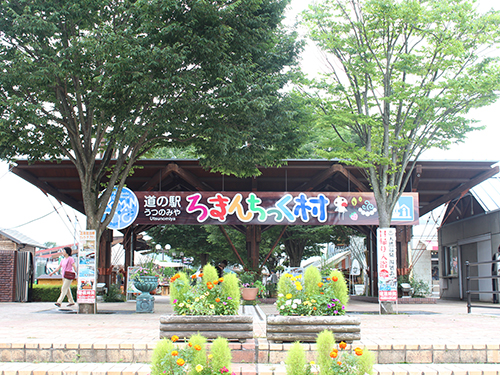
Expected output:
(268, 208)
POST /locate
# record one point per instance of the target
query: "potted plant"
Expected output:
(250, 285)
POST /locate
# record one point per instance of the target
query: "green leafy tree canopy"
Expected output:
(402, 77)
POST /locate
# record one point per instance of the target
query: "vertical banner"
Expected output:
(387, 273)
(86, 292)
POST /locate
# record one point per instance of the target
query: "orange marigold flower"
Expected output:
(181, 362)
(175, 338)
(217, 299)
(175, 353)
(333, 354)
(328, 279)
(320, 284)
(335, 350)
(193, 276)
(339, 363)
(314, 308)
(189, 344)
(335, 278)
(221, 279)
(358, 351)
(342, 345)
(321, 293)
(201, 275)
(215, 282)
(197, 347)
(210, 286)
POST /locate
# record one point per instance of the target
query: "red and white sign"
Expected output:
(86, 291)
(387, 273)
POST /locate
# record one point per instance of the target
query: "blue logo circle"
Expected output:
(126, 212)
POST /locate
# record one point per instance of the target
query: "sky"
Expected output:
(25, 208)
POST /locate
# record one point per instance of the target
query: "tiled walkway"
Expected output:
(430, 329)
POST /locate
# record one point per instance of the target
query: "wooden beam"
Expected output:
(272, 248)
(417, 173)
(459, 190)
(324, 175)
(190, 178)
(157, 178)
(46, 188)
(221, 228)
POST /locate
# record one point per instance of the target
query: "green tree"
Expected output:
(402, 77)
(102, 83)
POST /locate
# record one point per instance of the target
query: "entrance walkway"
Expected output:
(422, 334)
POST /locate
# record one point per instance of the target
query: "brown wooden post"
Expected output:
(253, 237)
(105, 257)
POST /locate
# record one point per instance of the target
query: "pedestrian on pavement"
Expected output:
(66, 265)
(495, 271)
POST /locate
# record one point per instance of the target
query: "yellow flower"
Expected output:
(289, 295)
(196, 299)
(197, 347)
(181, 362)
(298, 285)
(299, 276)
(312, 363)
(210, 356)
(175, 338)
(199, 368)
(175, 353)
(293, 278)
(358, 351)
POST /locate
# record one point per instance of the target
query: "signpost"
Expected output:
(387, 268)
(87, 276)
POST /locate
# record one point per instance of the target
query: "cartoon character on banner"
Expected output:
(340, 204)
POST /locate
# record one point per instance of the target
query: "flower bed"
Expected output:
(209, 306)
(307, 306)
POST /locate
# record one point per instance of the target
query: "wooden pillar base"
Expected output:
(86, 308)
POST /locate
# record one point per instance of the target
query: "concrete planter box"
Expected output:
(306, 328)
(232, 327)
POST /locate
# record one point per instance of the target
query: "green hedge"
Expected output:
(49, 293)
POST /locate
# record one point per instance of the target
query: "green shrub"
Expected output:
(114, 294)
(209, 273)
(312, 277)
(296, 360)
(339, 287)
(231, 288)
(180, 287)
(221, 353)
(161, 352)
(324, 344)
(49, 293)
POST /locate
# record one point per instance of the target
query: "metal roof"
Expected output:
(19, 238)
(487, 194)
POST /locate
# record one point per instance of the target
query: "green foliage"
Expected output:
(116, 79)
(114, 294)
(293, 299)
(209, 273)
(296, 360)
(162, 350)
(221, 353)
(312, 279)
(248, 278)
(231, 287)
(180, 287)
(199, 355)
(414, 68)
(420, 288)
(324, 344)
(49, 293)
(339, 286)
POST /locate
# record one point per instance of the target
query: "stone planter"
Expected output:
(145, 301)
(306, 328)
(232, 327)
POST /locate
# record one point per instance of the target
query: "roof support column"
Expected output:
(253, 236)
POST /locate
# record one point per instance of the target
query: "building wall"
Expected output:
(7, 243)
(422, 269)
(7, 270)
(466, 234)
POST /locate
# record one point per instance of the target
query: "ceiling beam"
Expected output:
(460, 189)
(49, 189)
(326, 174)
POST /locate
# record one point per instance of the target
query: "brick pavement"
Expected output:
(420, 333)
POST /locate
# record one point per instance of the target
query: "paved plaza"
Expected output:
(443, 326)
